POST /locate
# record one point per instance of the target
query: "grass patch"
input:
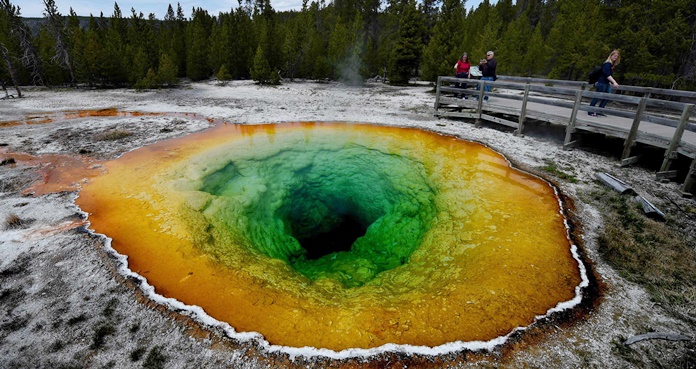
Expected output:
(155, 359)
(625, 352)
(18, 267)
(653, 254)
(77, 319)
(100, 334)
(56, 346)
(114, 135)
(8, 161)
(553, 169)
(69, 366)
(110, 308)
(13, 221)
(137, 354)
(15, 323)
(134, 328)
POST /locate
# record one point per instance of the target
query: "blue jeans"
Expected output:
(487, 88)
(601, 87)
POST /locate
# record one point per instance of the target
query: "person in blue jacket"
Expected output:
(606, 81)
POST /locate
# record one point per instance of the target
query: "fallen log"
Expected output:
(650, 210)
(615, 183)
(657, 336)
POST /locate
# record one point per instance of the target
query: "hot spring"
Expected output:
(340, 236)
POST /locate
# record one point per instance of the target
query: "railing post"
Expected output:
(437, 93)
(570, 128)
(689, 181)
(523, 111)
(479, 108)
(676, 139)
(632, 134)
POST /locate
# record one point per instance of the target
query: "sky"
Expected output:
(34, 8)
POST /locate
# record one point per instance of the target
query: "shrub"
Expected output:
(113, 135)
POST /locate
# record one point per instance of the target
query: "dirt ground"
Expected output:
(65, 304)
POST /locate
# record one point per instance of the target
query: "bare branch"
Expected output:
(5, 56)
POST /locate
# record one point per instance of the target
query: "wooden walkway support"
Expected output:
(650, 118)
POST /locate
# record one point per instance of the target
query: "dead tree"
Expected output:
(30, 56)
(55, 22)
(4, 54)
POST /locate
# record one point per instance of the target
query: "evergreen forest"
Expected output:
(350, 40)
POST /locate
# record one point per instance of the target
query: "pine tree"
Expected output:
(219, 44)
(536, 58)
(474, 26)
(339, 42)
(378, 54)
(141, 38)
(348, 67)
(574, 37)
(75, 40)
(139, 66)
(506, 12)
(114, 49)
(408, 46)
(429, 9)
(315, 64)
(296, 33)
(371, 63)
(167, 73)
(514, 42)
(223, 75)
(93, 54)
(62, 53)
(443, 50)
(172, 40)
(655, 37)
(244, 43)
(261, 71)
(149, 81)
(269, 38)
(197, 41)
(54, 73)
(489, 38)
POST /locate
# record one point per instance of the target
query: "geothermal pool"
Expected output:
(340, 236)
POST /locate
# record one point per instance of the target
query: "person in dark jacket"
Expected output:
(606, 81)
(488, 67)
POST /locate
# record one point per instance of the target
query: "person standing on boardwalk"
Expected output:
(606, 81)
(462, 68)
(488, 67)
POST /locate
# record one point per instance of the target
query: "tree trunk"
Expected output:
(4, 89)
(10, 68)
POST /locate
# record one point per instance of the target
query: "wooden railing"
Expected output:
(647, 119)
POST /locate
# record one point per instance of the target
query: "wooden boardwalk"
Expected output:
(650, 118)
